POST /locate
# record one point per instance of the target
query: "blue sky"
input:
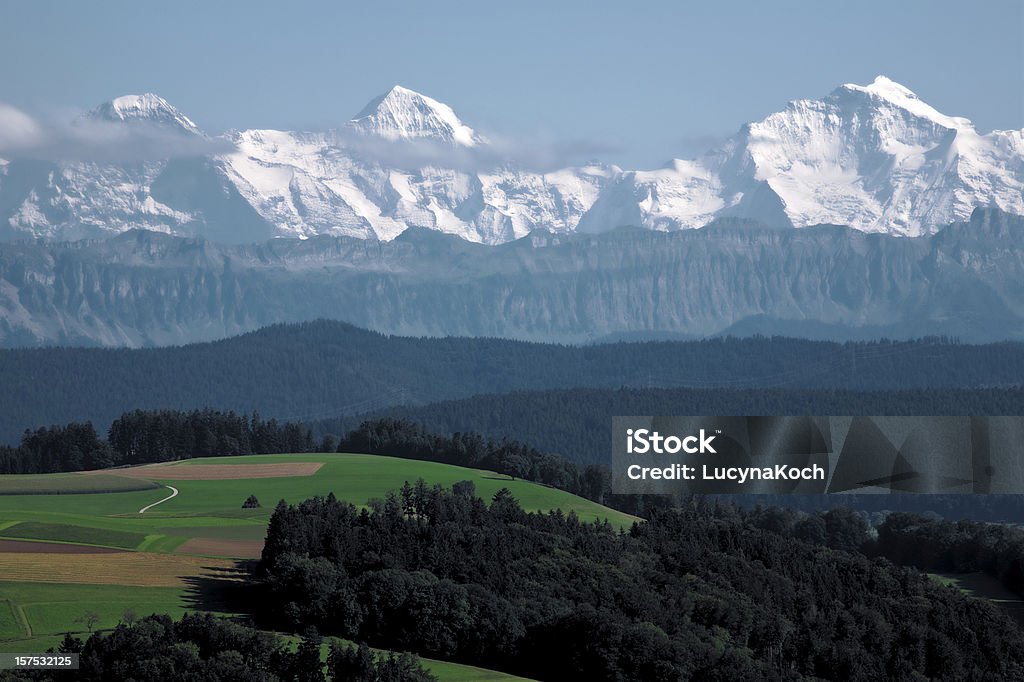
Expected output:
(651, 79)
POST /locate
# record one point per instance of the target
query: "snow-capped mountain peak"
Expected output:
(146, 108)
(403, 114)
(884, 89)
(875, 157)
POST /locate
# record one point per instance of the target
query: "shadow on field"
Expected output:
(222, 590)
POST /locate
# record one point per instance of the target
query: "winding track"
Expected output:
(174, 493)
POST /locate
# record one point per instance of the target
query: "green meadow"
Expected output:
(33, 613)
(213, 509)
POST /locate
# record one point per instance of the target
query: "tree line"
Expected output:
(145, 437)
(409, 440)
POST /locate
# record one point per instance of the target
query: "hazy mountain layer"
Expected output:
(144, 288)
(327, 369)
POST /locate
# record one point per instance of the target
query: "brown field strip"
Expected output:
(79, 482)
(26, 547)
(120, 568)
(240, 549)
(220, 472)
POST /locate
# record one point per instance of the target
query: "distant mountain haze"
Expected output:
(149, 289)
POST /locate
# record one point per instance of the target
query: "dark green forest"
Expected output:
(577, 423)
(319, 370)
(704, 591)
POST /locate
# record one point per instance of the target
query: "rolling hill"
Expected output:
(324, 369)
(70, 551)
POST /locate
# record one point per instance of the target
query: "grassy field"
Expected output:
(36, 610)
(212, 508)
(63, 484)
(61, 532)
(44, 595)
(455, 672)
(358, 478)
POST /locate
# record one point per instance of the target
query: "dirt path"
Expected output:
(174, 493)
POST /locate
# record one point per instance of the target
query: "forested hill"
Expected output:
(576, 423)
(316, 370)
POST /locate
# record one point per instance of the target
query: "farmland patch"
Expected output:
(74, 483)
(253, 531)
(119, 568)
(29, 547)
(240, 549)
(221, 472)
(37, 530)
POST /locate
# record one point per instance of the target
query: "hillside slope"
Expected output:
(325, 369)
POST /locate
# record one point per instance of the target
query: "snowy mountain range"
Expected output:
(876, 158)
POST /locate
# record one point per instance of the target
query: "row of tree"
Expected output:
(142, 437)
(407, 439)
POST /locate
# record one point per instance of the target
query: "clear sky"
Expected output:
(652, 79)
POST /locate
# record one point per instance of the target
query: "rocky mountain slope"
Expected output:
(144, 288)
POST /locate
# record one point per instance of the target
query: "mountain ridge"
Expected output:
(874, 157)
(151, 289)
